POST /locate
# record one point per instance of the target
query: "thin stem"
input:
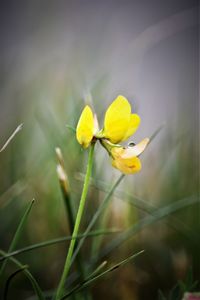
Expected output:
(77, 224)
(56, 241)
(97, 276)
(101, 208)
(64, 185)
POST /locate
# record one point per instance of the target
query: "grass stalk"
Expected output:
(65, 188)
(28, 274)
(90, 280)
(77, 224)
(101, 208)
(17, 233)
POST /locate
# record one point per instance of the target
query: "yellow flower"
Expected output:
(126, 159)
(85, 127)
(119, 123)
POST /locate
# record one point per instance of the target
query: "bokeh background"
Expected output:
(55, 56)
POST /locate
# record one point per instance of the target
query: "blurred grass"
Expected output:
(55, 57)
(168, 176)
(17, 234)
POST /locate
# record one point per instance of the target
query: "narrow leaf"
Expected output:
(56, 241)
(90, 281)
(147, 221)
(101, 208)
(71, 128)
(11, 137)
(10, 278)
(18, 233)
(28, 274)
(156, 132)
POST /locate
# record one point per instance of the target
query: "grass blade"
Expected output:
(143, 205)
(28, 274)
(11, 137)
(56, 241)
(103, 205)
(65, 189)
(10, 278)
(156, 132)
(91, 280)
(14, 190)
(157, 216)
(71, 128)
(174, 223)
(145, 222)
(18, 233)
(97, 270)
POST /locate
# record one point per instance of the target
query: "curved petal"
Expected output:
(135, 150)
(127, 166)
(133, 126)
(117, 119)
(85, 127)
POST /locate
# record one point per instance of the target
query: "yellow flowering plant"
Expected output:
(119, 125)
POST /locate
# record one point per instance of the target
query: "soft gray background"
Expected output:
(145, 50)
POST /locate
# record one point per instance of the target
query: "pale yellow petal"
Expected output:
(127, 166)
(135, 150)
(85, 127)
(117, 119)
(96, 124)
(133, 126)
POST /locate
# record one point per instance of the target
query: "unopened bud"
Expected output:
(62, 175)
(59, 156)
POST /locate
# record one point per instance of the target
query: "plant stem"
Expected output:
(65, 188)
(77, 224)
(101, 208)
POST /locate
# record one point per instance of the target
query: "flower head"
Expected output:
(119, 124)
(126, 158)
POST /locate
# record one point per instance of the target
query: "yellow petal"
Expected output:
(133, 126)
(127, 166)
(135, 150)
(85, 127)
(117, 119)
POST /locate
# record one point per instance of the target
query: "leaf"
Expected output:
(10, 278)
(100, 209)
(18, 233)
(56, 241)
(28, 274)
(71, 128)
(90, 281)
(156, 132)
(155, 217)
(11, 137)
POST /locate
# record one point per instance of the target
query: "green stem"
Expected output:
(70, 214)
(101, 208)
(77, 224)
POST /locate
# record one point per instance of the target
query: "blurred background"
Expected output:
(55, 56)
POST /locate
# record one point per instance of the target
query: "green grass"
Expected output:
(156, 210)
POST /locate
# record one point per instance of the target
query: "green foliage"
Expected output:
(157, 209)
